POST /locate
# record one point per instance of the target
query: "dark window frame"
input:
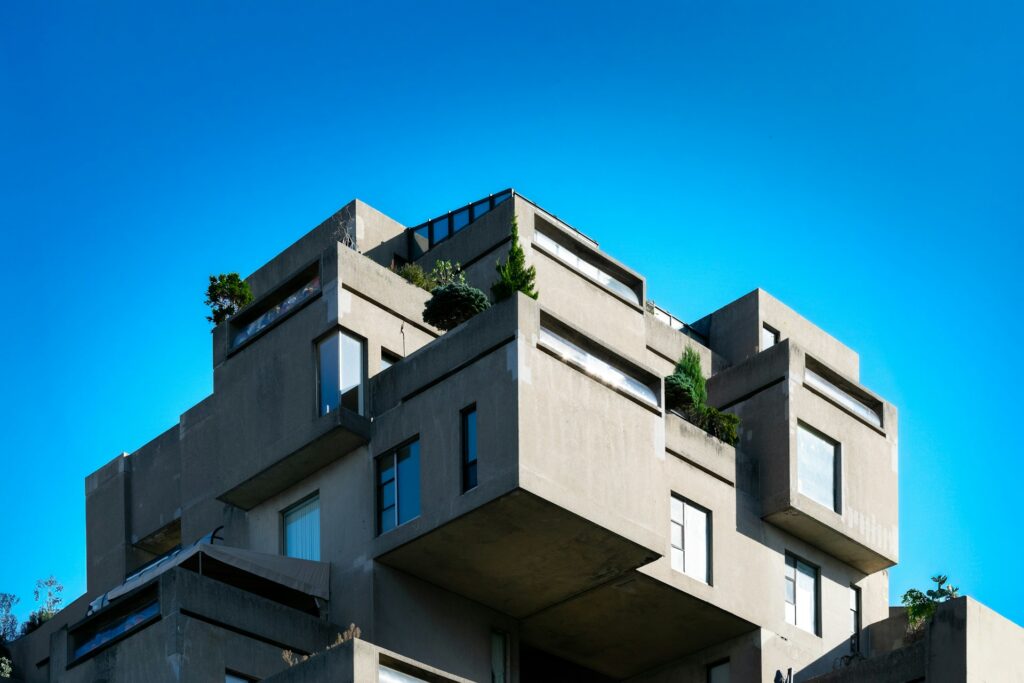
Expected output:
(714, 665)
(392, 453)
(364, 379)
(282, 536)
(469, 469)
(817, 590)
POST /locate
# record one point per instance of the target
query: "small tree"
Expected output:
(513, 275)
(8, 621)
(47, 595)
(226, 294)
(686, 391)
(921, 606)
(453, 301)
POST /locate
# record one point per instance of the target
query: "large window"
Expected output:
(801, 594)
(817, 467)
(301, 524)
(468, 419)
(398, 486)
(691, 534)
(342, 372)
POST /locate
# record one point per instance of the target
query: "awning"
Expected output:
(306, 576)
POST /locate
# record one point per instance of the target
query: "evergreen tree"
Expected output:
(513, 275)
(226, 294)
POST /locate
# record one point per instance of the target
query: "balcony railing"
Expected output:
(431, 233)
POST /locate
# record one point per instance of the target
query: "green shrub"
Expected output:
(226, 294)
(415, 275)
(453, 304)
(513, 275)
(686, 391)
(921, 606)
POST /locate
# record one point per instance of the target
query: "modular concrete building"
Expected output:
(506, 501)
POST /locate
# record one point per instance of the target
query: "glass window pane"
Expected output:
(408, 482)
(596, 367)
(677, 535)
(695, 532)
(460, 219)
(388, 675)
(352, 373)
(440, 229)
(420, 241)
(499, 198)
(470, 476)
(843, 398)
(480, 208)
(769, 337)
(677, 510)
(806, 596)
(816, 467)
(678, 560)
(499, 657)
(719, 673)
(387, 359)
(470, 432)
(790, 591)
(468, 449)
(302, 530)
(329, 358)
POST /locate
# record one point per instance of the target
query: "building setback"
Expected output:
(507, 501)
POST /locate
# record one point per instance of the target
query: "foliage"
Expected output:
(445, 273)
(352, 632)
(921, 606)
(226, 294)
(5, 667)
(513, 275)
(686, 391)
(8, 622)
(415, 275)
(453, 304)
(47, 595)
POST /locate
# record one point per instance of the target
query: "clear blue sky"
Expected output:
(861, 161)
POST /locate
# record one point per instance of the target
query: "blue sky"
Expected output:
(861, 161)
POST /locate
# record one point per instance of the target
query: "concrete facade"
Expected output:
(558, 564)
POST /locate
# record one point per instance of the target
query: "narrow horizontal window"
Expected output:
(113, 628)
(860, 409)
(571, 259)
(596, 367)
(266, 318)
(386, 674)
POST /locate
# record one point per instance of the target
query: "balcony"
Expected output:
(826, 448)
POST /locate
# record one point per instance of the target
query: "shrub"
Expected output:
(453, 304)
(513, 275)
(226, 294)
(415, 275)
(686, 391)
(921, 606)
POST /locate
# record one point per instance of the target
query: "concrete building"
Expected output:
(507, 501)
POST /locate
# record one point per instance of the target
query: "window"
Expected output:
(830, 390)
(398, 486)
(769, 337)
(719, 672)
(387, 359)
(236, 678)
(854, 619)
(468, 419)
(302, 529)
(817, 466)
(385, 674)
(274, 308)
(499, 657)
(594, 366)
(691, 533)
(568, 257)
(801, 594)
(342, 372)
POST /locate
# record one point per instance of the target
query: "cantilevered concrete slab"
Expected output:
(629, 625)
(519, 554)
